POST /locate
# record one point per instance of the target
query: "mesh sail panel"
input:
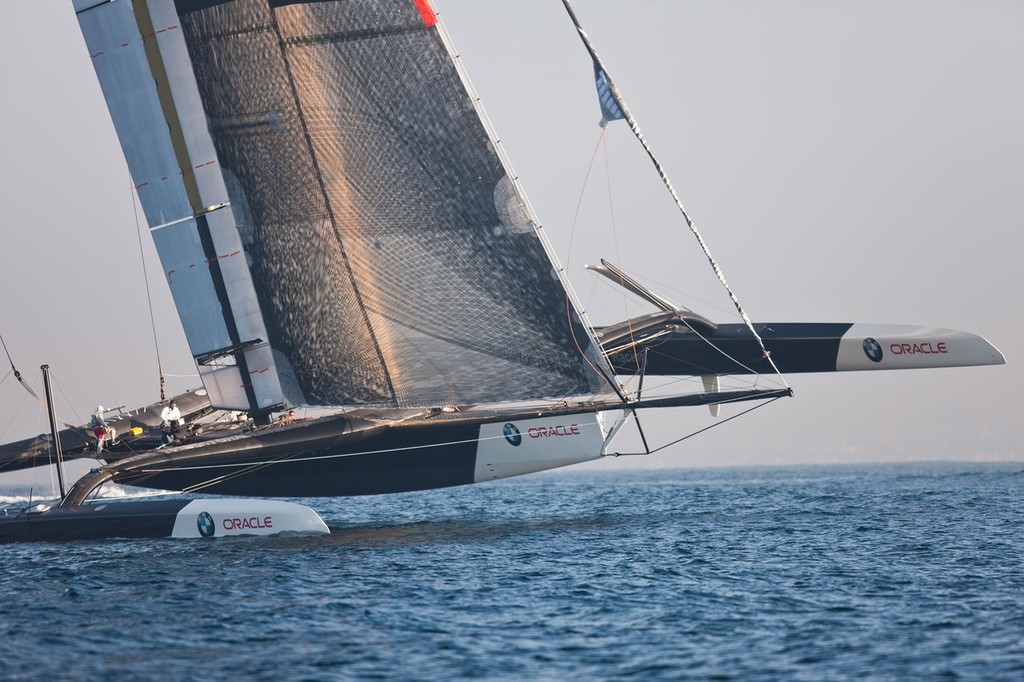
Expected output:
(393, 259)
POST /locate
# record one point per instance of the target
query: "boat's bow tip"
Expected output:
(909, 347)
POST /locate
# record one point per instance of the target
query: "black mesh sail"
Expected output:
(393, 259)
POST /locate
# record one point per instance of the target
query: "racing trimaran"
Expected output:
(339, 228)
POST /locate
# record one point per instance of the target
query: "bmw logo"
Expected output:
(512, 434)
(873, 350)
(206, 525)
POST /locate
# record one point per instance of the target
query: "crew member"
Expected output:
(173, 422)
(101, 430)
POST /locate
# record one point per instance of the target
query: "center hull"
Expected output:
(346, 456)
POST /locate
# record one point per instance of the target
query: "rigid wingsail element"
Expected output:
(333, 219)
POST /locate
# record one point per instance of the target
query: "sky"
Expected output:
(845, 161)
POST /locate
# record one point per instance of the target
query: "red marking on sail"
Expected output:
(197, 167)
(225, 255)
(429, 18)
(159, 30)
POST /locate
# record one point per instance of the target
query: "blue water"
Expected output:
(890, 572)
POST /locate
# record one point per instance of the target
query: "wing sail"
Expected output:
(331, 213)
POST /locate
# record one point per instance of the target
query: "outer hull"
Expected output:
(797, 347)
(177, 518)
(150, 519)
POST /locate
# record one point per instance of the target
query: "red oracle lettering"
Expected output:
(549, 431)
(250, 523)
(926, 348)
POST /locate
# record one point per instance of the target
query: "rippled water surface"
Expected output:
(882, 572)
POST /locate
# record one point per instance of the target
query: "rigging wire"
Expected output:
(697, 432)
(17, 374)
(60, 387)
(618, 101)
(625, 303)
(14, 416)
(615, 240)
(149, 297)
(568, 303)
(602, 143)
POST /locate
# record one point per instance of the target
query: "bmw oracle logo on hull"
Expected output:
(873, 350)
(206, 525)
(512, 434)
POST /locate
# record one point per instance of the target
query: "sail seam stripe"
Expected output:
(350, 36)
(324, 38)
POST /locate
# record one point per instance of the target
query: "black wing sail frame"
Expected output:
(334, 218)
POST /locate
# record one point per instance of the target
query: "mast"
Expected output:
(59, 457)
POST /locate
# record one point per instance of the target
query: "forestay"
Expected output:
(331, 214)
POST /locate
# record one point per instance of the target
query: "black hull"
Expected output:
(172, 518)
(370, 453)
(146, 519)
(390, 460)
(795, 348)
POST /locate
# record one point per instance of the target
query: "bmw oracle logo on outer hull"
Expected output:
(873, 350)
(206, 525)
(512, 434)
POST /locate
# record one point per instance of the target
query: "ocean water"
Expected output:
(883, 572)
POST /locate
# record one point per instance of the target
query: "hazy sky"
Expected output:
(846, 161)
